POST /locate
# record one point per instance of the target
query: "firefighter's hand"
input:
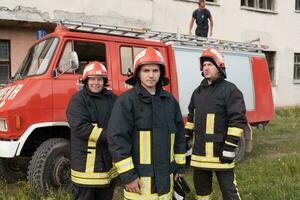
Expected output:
(177, 175)
(134, 186)
(210, 33)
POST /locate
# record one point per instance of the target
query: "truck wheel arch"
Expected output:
(50, 130)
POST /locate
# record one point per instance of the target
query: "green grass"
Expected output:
(270, 172)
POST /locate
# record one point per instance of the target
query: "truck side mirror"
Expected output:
(73, 64)
(74, 61)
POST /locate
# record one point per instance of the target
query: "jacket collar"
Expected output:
(140, 90)
(204, 83)
(101, 94)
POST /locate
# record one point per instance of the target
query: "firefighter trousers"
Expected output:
(226, 180)
(93, 193)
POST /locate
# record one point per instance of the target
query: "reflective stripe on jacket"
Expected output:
(147, 141)
(88, 115)
(217, 116)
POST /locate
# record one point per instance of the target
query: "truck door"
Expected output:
(126, 54)
(66, 84)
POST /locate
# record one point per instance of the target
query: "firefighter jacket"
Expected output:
(147, 141)
(217, 117)
(88, 115)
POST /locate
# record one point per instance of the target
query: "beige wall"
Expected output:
(20, 41)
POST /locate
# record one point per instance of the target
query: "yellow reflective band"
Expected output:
(180, 159)
(190, 126)
(167, 196)
(133, 196)
(124, 165)
(145, 147)
(210, 123)
(98, 175)
(172, 183)
(137, 196)
(207, 197)
(146, 187)
(212, 165)
(205, 159)
(94, 136)
(85, 181)
(172, 147)
(235, 131)
(234, 182)
(209, 149)
(231, 144)
(90, 160)
(113, 173)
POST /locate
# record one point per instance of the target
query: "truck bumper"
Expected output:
(8, 149)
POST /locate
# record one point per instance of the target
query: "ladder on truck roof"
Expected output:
(167, 37)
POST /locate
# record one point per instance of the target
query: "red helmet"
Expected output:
(94, 68)
(214, 56)
(148, 56)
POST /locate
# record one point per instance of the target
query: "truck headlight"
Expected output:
(3, 125)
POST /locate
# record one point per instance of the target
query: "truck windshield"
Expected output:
(37, 59)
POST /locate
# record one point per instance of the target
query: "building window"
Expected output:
(259, 4)
(4, 61)
(297, 6)
(297, 66)
(270, 56)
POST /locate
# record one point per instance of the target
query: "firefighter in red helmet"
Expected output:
(147, 138)
(216, 121)
(88, 114)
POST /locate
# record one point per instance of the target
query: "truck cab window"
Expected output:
(127, 57)
(86, 51)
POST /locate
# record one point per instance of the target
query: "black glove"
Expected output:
(228, 154)
(180, 189)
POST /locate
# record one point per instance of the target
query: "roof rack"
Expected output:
(167, 37)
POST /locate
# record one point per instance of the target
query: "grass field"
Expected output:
(270, 172)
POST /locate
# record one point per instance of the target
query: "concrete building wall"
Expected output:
(280, 30)
(20, 41)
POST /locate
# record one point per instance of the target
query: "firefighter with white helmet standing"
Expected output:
(216, 121)
(147, 138)
(88, 114)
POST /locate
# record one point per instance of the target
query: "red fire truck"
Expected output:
(34, 133)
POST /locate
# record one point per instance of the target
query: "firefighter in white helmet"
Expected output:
(147, 138)
(88, 114)
(216, 120)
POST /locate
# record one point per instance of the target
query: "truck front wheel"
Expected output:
(50, 165)
(13, 169)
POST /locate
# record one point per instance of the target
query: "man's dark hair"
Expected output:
(201, 1)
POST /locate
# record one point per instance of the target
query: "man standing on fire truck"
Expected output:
(217, 119)
(147, 138)
(88, 114)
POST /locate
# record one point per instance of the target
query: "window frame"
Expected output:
(296, 79)
(8, 62)
(132, 56)
(73, 41)
(256, 6)
(297, 5)
(271, 65)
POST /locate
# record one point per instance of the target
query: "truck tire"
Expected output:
(240, 151)
(13, 169)
(50, 165)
